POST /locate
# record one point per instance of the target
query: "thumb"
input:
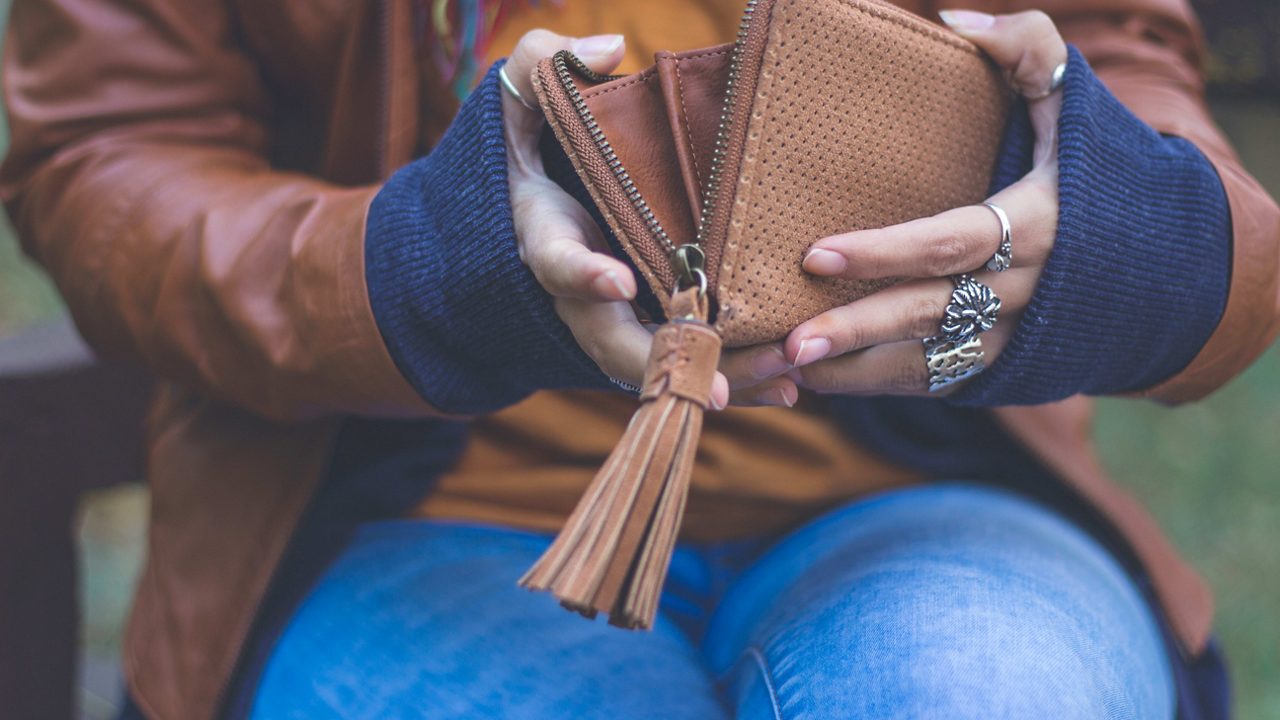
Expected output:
(1029, 48)
(601, 53)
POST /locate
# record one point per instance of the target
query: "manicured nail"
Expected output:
(616, 281)
(967, 20)
(715, 403)
(769, 362)
(609, 285)
(596, 45)
(785, 398)
(825, 262)
(812, 350)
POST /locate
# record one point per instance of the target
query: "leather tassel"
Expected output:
(612, 554)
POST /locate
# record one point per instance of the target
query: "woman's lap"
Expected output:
(947, 601)
(424, 620)
(942, 600)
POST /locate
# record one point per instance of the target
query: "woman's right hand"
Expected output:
(557, 238)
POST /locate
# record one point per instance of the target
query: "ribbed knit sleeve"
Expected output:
(1139, 272)
(462, 316)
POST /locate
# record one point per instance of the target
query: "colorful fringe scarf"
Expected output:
(459, 33)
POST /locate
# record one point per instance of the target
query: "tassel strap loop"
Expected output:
(682, 362)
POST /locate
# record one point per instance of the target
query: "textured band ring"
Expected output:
(973, 309)
(1003, 257)
(950, 362)
(1056, 79)
(511, 88)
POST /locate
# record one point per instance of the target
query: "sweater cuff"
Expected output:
(463, 318)
(1138, 276)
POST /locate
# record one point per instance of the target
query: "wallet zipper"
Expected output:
(689, 259)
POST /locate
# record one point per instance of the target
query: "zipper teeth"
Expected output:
(720, 150)
(566, 63)
(563, 60)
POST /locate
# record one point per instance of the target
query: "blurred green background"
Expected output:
(1209, 471)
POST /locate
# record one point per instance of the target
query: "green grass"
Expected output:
(1208, 471)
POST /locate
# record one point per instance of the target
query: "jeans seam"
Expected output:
(763, 665)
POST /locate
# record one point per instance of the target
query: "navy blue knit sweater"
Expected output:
(1136, 282)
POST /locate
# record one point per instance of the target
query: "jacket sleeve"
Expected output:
(1149, 54)
(136, 176)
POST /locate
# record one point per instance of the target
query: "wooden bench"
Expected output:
(68, 423)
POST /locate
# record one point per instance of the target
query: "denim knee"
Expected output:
(972, 604)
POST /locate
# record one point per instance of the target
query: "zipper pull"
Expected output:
(690, 265)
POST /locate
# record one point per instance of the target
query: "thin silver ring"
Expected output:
(511, 88)
(1056, 79)
(1003, 257)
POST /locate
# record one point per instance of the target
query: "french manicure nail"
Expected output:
(825, 262)
(596, 45)
(812, 350)
(967, 20)
(769, 362)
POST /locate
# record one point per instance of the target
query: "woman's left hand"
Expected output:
(872, 346)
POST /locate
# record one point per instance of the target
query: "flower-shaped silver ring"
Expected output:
(973, 309)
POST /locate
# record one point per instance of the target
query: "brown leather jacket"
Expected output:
(147, 174)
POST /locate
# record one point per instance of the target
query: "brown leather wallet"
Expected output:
(717, 169)
(723, 165)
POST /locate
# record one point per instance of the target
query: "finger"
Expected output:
(720, 392)
(614, 339)
(893, 369)
(601, 53)
(747, 367)
(611, 336)
(910, 311)
(523, 126)
(958, 240)
(558, 252)
(776, 392)
(1026, 45)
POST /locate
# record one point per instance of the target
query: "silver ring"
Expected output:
(1056, 79)
(1004, 254)
(973, 310)
(511, 88)
(950, 362)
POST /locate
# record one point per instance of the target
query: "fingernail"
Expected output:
(596, 45)
(609, 285)
(967, 20)
(824, 262)
(785, 398)
(769, 362)
(616, 281)
(812, 350)
(715, 403)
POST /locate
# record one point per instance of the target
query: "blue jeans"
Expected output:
(946, 600)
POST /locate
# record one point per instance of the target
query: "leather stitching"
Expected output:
(642, 76)
(688, 127)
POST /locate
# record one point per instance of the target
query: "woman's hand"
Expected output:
(556, 236)
(872, 346)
